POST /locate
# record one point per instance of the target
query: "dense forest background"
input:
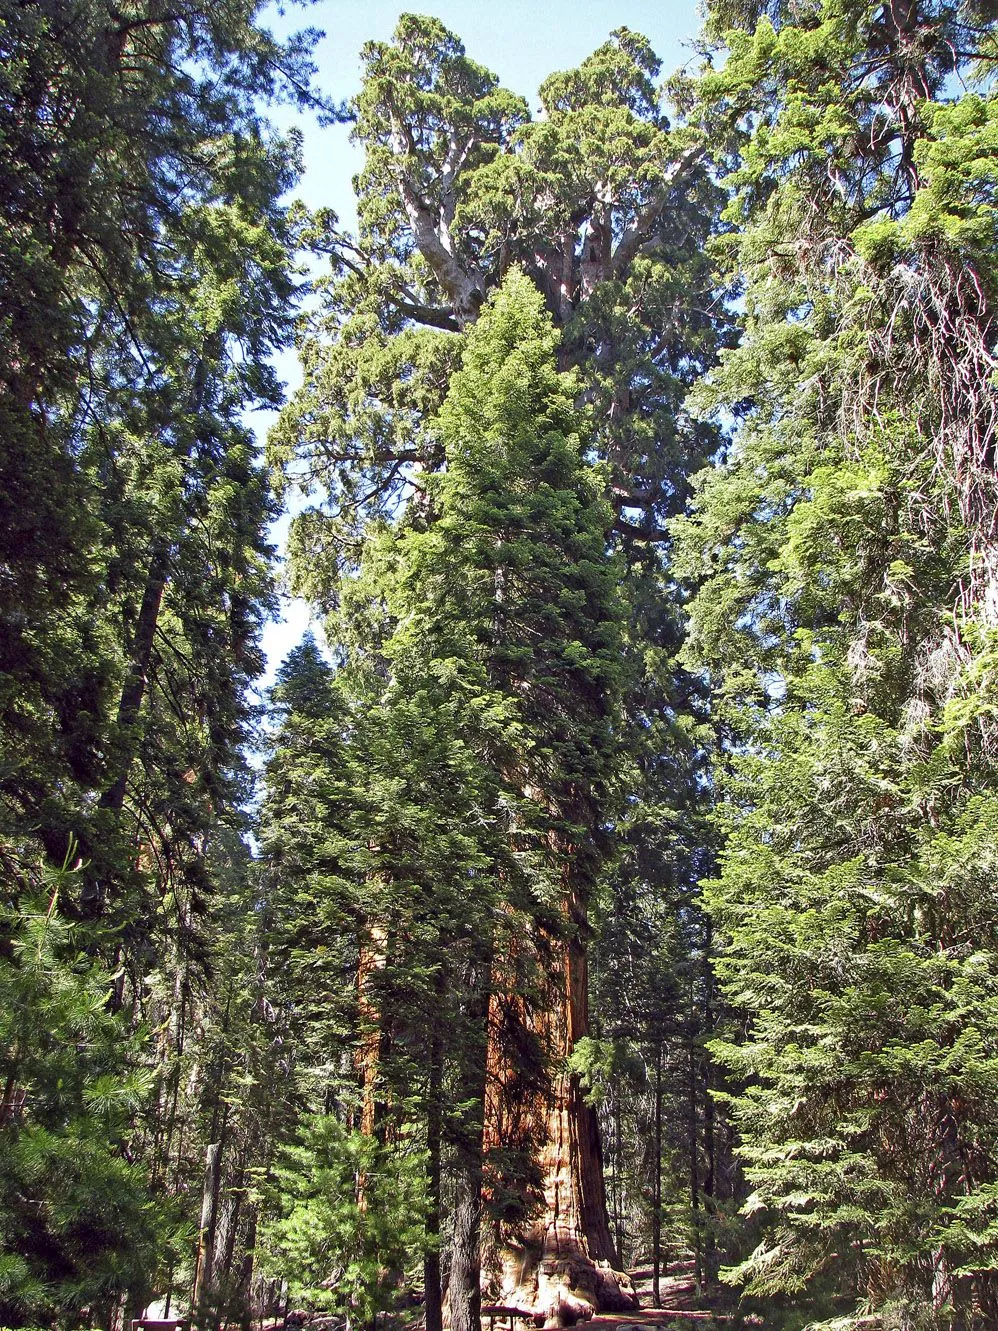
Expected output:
(613, 885)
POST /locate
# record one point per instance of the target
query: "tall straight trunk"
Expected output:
(433, 1303)
(231, 1214)
(133, 691)
(244, 1289)
(218, 1134)
(157, 575)
(465, 1285)
(205, 1260)
(694, 1162)
(129, 709)
(656, 1219)
(709, 1123)
(372, 1032)
(618, 1180)
(372, 1045)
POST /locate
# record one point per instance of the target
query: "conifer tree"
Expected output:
(122, 298)
(480, 642)
(77, 1228)
(145, 278)
(521, 523)
(605, 207)
(845, 617)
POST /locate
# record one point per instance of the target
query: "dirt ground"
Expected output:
(681, 1306)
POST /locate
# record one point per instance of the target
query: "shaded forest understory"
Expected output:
(608, 884)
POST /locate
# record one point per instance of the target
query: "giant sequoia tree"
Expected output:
(600, 204)
(481, 640)
(532, 587)
(604, 208)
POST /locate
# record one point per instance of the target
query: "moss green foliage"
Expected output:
(77, 1224)
(338, 1255)
(845, 557)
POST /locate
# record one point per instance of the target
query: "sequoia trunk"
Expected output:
(556, 1257)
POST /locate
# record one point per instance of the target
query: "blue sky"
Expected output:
(521, 40)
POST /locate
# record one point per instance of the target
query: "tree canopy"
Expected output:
(598, 906)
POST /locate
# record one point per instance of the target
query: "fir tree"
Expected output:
(845, 616)
(78, 1229)
(481, 639)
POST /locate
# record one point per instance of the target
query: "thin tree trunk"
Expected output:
(245, 1287)
(465, 1285)
(694, 1164)
(209, 1216)
(709, 1124)
(204, 1269)
(656, 1219)
(618, 1180)
(129, 708)
(372, 1040)
(228, 1233)
(157, 575)
(371, 957)
(434, 1125)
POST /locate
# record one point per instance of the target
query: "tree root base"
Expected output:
(564, 1291)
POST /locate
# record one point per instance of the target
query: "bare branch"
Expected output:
(644, 224)
(432, 316)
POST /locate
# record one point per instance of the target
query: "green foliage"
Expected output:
(142, 242)
(79, 1228)
(446, 790)
(598, 1063)
(498, 618)
(603, 206)
(337, 1254)
(147, 268)
(411, 441)
(510, 374)
(861, 944)
(844, 612)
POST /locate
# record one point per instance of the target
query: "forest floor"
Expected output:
(682, 1307)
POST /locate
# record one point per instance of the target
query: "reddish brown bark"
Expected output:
(367, 1060)
(557, 1260)
(371, 1038)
